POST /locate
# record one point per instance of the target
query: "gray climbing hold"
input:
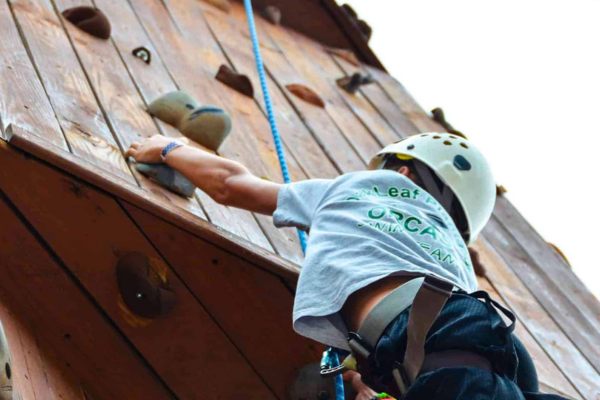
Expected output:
(168, 178)
(351, 83)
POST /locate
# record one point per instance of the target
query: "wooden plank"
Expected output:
(89, 231)
(45, 302)
(381, 101)
(565, 312)
(22, 98)
(81, 119)
(549, 265)
(251, 305)
(153, 81)
(191, 63)
(548, 372)
(118, 98)
(356, 118)
(298, 137)
(572, 363)
(405, 101)
(135, 195)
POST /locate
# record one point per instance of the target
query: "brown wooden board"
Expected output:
(550, 266)
(66, 84)
(381, 101)
(398, 94)
(102, 179)
(251, 305)
(74, 342)
(118, 97)
(191, 62)
(22, 98)
(536, 319)
(361, 124)
(566, 313)
(89, 231)
(300, 141)
(548, 372)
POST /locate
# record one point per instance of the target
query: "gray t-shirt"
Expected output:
(365, 226)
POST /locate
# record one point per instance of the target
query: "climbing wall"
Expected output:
(72, 206)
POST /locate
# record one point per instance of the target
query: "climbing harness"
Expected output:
(426, 296)
(263, 84)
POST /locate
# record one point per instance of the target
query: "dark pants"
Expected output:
(469, 324)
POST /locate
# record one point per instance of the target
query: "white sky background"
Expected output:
(522, 80)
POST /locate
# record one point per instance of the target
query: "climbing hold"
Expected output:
(90, 20)
(206, 125)
(143, 54)
(438, 116)
(351, 83)
(236, 81)
(272, 14)
(143, 286)
(500, 190)
(345, 55)
(478, 267)
(560, 253)
(308, 384)
(362, 26)
(167, 177)
(6, 385)
(222, 5)
(306, 94)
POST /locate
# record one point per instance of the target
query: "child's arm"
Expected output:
(225, 181)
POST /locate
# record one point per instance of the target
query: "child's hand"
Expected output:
(363, 391)
(149, 151)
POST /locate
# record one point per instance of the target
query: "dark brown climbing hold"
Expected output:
(438, 116)
(143, 54)
(143, 286)
(361, 25)
(478, 267)
(351, 83)
(345, 55)
(222, 5)
(272, 14)
(236, 81)
(500, 190)
(306, 94)
(90, 20)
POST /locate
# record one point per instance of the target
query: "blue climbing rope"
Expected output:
(263, 84)
(339, 383)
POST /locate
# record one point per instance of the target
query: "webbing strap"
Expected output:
(426, 307)
(387, 310)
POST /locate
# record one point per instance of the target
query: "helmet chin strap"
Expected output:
(444, 197)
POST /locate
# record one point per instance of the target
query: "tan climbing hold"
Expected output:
(236, 81)
(306, 94)
(344, 54)
(222, 5)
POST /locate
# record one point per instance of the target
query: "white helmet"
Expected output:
(459, 165)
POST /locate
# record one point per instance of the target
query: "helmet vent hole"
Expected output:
(410, 146)
(447, 143)
(437, 137)
(424, 135)
(453, 137)
(464, 145)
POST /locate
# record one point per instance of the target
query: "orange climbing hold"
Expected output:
(306, 94)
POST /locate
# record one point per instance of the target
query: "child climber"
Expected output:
(387, 273)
